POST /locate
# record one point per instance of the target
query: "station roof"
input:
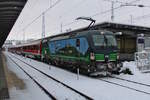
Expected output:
(118, 27)
(9, 12)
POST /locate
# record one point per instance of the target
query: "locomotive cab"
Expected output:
(103, 53)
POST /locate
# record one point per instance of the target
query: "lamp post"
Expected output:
(23, 35)
(43, 25)
(112, 11)
(131, 17)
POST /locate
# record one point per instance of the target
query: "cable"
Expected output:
(139, 17)
(104, 12)
(115, 1)
(58, 1)
(75, 21)
(41, 14)
(111, 9)
(75, 6)
(35, 3)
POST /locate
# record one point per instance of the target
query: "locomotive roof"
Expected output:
(74, 34)
(91, 32)
(60, 36)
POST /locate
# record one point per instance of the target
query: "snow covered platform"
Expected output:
(95, 88)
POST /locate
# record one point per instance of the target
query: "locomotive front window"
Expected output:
(104, 40)
(99, 40)
(111, 41)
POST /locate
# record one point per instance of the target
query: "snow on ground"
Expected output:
(138, 76)
(94, 88)
(31, 91)
(56, 89)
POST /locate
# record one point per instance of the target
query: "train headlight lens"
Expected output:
(92, 56)
(110, 65)
(106, 58)
(118, 56)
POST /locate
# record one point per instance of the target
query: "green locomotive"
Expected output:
(93, 51)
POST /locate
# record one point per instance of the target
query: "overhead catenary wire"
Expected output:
(53, 5)
(104, 12)
(116, 1)
(100, 13)
(73, 21)
(73, 7)
(35, 3)
(70, 23)
(139, 17)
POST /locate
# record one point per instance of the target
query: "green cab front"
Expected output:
(104, 52)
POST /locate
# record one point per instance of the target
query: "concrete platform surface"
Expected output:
(3, 84)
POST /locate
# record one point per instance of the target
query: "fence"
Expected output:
(143, 60)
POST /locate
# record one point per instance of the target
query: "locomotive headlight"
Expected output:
(118, 56)
(110, 65)
(106, 58)
(92, 56)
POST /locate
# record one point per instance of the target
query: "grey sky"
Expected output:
(67, 11)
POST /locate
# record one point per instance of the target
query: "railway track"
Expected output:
(147, 92)
(38, 84)
(148, 85)
(49, 94)
(132, 85)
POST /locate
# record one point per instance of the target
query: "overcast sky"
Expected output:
(66, 11)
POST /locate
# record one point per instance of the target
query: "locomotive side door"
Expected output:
(78, 49)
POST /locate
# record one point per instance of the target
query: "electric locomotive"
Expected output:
(93, 52)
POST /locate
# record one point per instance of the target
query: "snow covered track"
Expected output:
(129, 85)
(148, 85)
(80, 95)
(49, 94)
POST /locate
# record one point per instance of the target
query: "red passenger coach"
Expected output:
(32, 49)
